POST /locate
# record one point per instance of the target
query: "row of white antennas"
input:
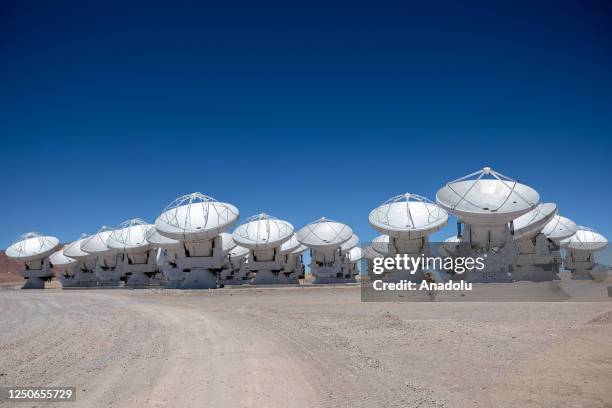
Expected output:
(191, 242)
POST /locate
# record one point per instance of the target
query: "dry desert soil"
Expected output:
(303, 347)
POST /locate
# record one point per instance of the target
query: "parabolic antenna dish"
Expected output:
(355, 254)
(96, 244)
(380, 244)
(324, 234)
(59, 259)
(263, 231)
(369, 253)
(195, 217)
(350, 244)
(408, 216)
(32, 246)
(156, 239)
(559, 228)
(130, 236)
(290, 245)
(477, 200)
(585, 239)
(300, 249)
(227, 242)
(238, 252)
(530, 224)
(73, 250)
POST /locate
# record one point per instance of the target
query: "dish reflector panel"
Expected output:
(324, 234)
(156, 239)
(239, 252)
(300, 249)
(227, 242)
(196, 216)
(263, 231)
(489, 201)
(73, 250)
(350, 244)
(130, 236)
(559, 228)
(585, 239)
(290, 245)
(59, 259)
(32, 246)
(530, 224)
(380, 244)
(96, 244)
(369, 253)
(408, 216)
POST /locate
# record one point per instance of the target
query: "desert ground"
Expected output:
(303, 347)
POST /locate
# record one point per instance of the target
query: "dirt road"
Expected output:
(303, 347)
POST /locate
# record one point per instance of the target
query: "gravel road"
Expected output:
(303, 347)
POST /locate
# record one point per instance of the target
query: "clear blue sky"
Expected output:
(111, 111)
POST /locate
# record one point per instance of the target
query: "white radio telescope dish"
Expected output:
(227, 242)
(491, 201)
(324, 234)
(158, 240)
(380, 244)
(58, 258)
(96, 244)
(352, 242)
(369, 253)
(531, 224)
(32, 246)
(73, 250)
(290, 245)
(585, 239)
(559, 228)
(263, 231)
(130, 236)
(194, 217)
(238, 252)
(408, 216)
(300, 249)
